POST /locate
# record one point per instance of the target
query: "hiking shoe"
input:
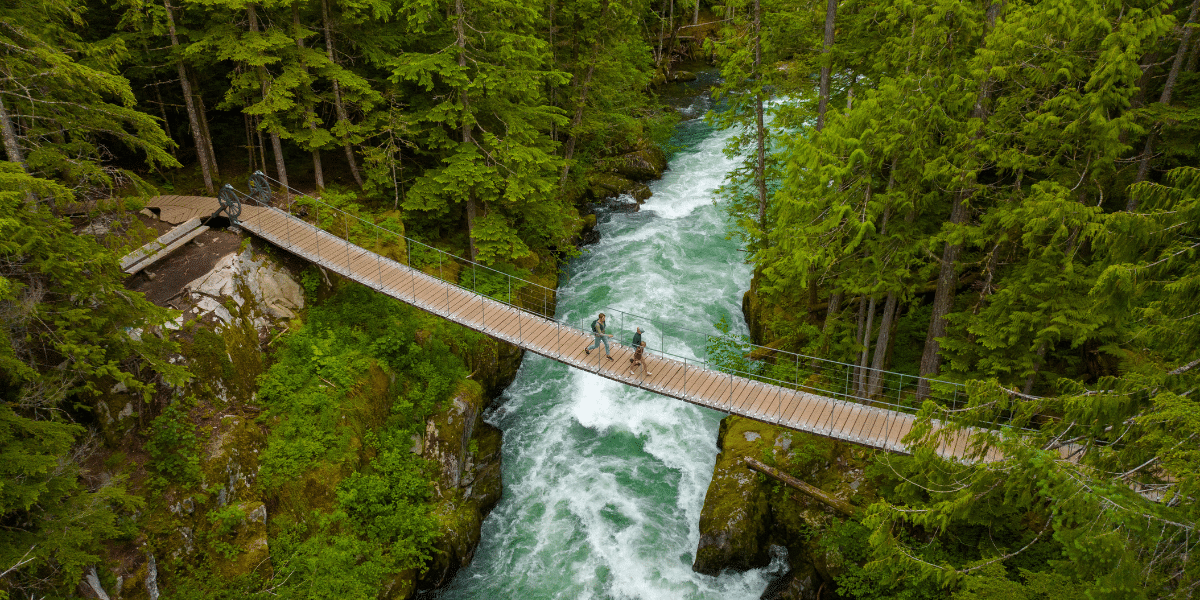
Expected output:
(609, 357)
(587, 352)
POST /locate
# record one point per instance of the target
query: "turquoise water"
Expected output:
(603, 484)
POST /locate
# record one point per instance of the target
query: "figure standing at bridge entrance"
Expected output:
(598, 331)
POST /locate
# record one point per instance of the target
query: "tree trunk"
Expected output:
(696, 13)
(1165, 100)
(162, 109)
(943, 298)
(760, 165)
(1037, 364)
(812, 491)
(276, 143)
(553, 88)
(826, 47)
(875, 383)
(577, 118)
(310, 114)
(461, 41)
(249, 140)
(280, 167)
(11, 147)
(193, 120)
(338, 105)
(203, 113)
(864, 360)
(835, 304)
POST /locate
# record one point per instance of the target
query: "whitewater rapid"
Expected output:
(603, 484)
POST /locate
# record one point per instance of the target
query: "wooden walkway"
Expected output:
(847, 421)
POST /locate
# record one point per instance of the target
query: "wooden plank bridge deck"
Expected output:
(839, 419)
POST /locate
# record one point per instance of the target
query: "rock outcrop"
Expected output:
(610, 185)
(644, 164)
(735, 517)
(466, 452)
(245, 276)
(746, 513)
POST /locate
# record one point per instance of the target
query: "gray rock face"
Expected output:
(152, 578)
(238, 274)
(467, 453)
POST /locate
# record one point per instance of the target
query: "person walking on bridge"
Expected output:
(637, 360)
(598, 331)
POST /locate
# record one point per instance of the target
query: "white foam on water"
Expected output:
(604, 483)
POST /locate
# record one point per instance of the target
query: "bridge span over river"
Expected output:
(835, 400)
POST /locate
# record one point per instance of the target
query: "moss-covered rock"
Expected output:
(752, 311)
(611, 185)
(745, 513)
(493, 364)
(644, 164)
(466, 455)
(735, 519)
(240, 543)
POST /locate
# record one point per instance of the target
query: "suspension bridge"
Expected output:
(846, 402)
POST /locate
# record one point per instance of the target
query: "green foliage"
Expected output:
(225, 519)
(728, 353)
(501, 281)
(387, 502)
(310, 280)
(171, 443)
(70, 330)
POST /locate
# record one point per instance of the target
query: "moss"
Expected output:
(734, 523)
(745, 512)
(459, 522)
(240, 548)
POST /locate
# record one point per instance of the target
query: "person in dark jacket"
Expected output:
(598, 331)
(638, 347)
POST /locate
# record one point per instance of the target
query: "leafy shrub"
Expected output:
(387, 502)
(172, 446)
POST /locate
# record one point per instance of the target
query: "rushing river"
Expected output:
(603, 483)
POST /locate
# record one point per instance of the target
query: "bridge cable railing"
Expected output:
(840, 381)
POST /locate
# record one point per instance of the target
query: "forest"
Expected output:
(1001, 193)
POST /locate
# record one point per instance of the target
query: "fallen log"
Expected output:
(815, 492)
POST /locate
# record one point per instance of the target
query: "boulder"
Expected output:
(735, 521)
(244, 276)
(610, 185)
(643, 164)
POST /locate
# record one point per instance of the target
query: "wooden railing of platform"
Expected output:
(676, 377)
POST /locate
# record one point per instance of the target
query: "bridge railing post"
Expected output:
(729, 406)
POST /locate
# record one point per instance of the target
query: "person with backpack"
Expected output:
(598, 331)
